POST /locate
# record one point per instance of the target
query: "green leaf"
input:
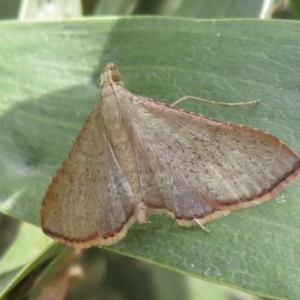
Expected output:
(9, 9)
(117, 7)
(49, 84)
(28, 252)
(188, 8)
(217, 9)
(295, 8)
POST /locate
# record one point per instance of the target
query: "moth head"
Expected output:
(111, 72)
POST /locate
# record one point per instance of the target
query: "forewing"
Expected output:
(89, 201)
(197, 166)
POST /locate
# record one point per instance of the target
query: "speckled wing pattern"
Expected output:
(198, 166)
(89, 199)
(134, 155)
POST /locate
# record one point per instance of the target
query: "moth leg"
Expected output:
(185, 98)
(140, 212)
(198, 222)
(210, 218)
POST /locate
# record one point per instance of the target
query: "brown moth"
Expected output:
(134, 155)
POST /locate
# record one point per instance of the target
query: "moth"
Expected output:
(134, 155)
